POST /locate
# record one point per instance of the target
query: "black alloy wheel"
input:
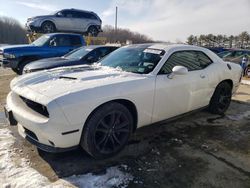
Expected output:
(221, 98)
(107, 131)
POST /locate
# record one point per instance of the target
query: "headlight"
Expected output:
(9, 56)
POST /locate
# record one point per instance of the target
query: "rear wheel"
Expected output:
(107, 131)
(221, 98)
(93, 31)
(48, 27)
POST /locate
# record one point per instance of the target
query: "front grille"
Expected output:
(41, 109)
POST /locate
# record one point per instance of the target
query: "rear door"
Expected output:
(80, 21)
(182, 93)
(64, 21)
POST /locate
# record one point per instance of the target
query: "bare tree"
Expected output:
(11, 32)
(122, 35)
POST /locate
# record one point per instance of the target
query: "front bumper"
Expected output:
(48, 134)
(32, 28)
(32, 138)
(5, 63)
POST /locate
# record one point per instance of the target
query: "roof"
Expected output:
(167, 46)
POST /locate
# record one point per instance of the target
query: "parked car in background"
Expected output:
(67, 20)
(48, 45)
(238, 56)
(99, 106)
(84, 55)
(235, 56)
(217, 50)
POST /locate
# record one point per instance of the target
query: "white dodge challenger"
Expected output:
(99, 106)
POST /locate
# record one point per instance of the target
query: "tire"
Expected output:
(15, 70)
(22, 65)
(93, 31)
(221, 98)
(247, 71)
(107, 130)
(48, 27)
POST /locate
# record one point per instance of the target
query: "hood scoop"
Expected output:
(67, 78)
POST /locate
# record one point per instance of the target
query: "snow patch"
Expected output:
(247, 82)
(16, 172)
(114, 177)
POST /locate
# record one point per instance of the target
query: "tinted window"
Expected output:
(192, 60)
(62, 40)
(67, 13)
(75, 41)
(103, 52)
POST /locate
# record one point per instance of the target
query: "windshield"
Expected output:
(41, 41)
(134, 59)
(223, 54)
(78, 53)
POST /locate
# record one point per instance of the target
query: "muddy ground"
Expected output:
(198, 150)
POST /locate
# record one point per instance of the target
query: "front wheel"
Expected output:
(221, 98)
(107, 131)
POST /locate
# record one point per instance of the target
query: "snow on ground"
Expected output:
(114, 177)
(245, 82)
(16, 172)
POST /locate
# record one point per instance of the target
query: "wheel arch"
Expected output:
(125, 102)
(47, 20)
(229, 81)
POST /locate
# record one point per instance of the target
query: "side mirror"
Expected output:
(59, 14)
(178, 70)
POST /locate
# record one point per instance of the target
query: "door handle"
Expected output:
(202, 76)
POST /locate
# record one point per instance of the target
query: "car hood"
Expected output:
(15, 47)
(42, 16)
(45, 86)
(50, 63)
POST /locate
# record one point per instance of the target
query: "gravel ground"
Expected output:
(198, 150)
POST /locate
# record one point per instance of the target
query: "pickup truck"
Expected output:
(46, 46)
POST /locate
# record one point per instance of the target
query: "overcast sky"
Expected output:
(167, 20)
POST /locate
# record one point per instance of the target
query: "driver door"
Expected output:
(181, 93)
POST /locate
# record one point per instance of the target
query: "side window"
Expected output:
(67, 14)
(92, 16)
(92, 56)
(203, 59)
(192, 60)
(63, 41)
(75, 41)
(83, 15)
(103, 52)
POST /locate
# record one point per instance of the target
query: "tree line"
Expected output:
(233, 41)
(122, 35)
(11, 31)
